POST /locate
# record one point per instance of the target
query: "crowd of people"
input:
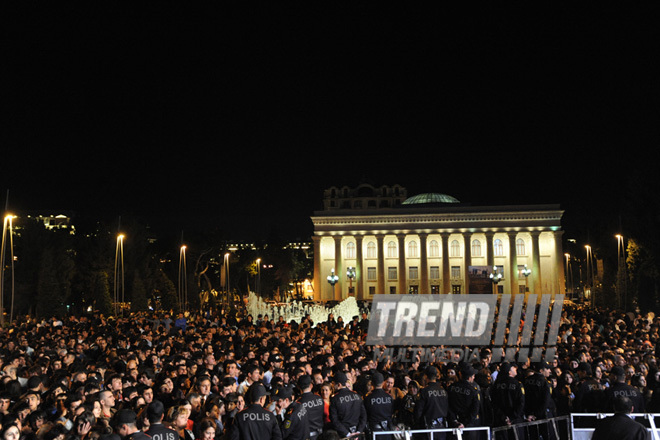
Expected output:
(214, 376)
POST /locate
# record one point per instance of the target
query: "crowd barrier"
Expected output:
(578, 426)
(583, 424)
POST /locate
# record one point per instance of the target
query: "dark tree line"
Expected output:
(56, 273)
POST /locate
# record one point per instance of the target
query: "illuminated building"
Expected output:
(432, 243)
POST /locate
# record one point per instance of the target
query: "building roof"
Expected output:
(426, 198)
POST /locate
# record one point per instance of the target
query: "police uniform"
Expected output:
(432, 408)
(379, 407)
(255, 422)
(464, 403)
(508, 397)
(313, 403)
(629, 391)
(347, 412)
(158, 431)
(138, 435)
(296, 423)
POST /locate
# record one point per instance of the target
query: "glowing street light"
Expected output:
(183, 279)
(7, 228)
(526, 272)
(350, 274)
(495, 277)
(332, 279)
(119, 273)
(258, 289)
(621, 270)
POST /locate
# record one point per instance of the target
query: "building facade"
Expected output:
(432, 243)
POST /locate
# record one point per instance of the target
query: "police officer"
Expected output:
(619, 387)
(313, 403)
(295, 425)
(464, 402)
(508, 397)
(433, 405)
(379, 406)
(124, 422)
(255, 422)
(347, 412)
(158, 431)
(589, 393)
(539, 403)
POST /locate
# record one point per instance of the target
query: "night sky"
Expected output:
(240, 118)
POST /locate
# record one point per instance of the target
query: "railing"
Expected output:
(408, 433)
(582, 430)
(544, 428)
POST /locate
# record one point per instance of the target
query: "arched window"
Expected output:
(520, 246)
(455, 249)
(434, 249)
(350, 250)
(412, 249)
(498, 248)
(476, 248)
(391, 249)
(371, 250)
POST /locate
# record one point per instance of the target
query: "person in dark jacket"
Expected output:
(464, 402)
(433, 406)
(619, 388)
(508, 397)
(255, 422)
(380, 407)
(347, 412)
(620, 426)
(314, 405)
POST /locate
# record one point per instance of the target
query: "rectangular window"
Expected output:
(500, 289)
(434, 272)
(392, 290)
(456, 289)
(413, 273)
(435, 289)
(414, 290)
(456, 272)
(391, 273)
(521, 288)
(371, 274)
(372, 290)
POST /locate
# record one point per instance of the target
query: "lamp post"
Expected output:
(7, 227)
(495, 277)
(258, 289)
(590, 270)
(332, 279)
(568, 275)
(526, 271)
(183, 283)
(350, 274)
(119, 273)
(621, 270)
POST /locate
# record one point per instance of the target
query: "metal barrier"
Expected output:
(546, 428)
(580, 432)
(408, 433)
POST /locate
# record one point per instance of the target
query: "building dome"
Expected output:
(426, 198)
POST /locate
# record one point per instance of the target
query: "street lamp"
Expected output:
(183, 283)
(495, 277)
(526, 271)
(568, 275)
(258, 289)
(6, 227)
(590, 270)
(350, 274)
(621, 270)
(119, 273)
(332, 279)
